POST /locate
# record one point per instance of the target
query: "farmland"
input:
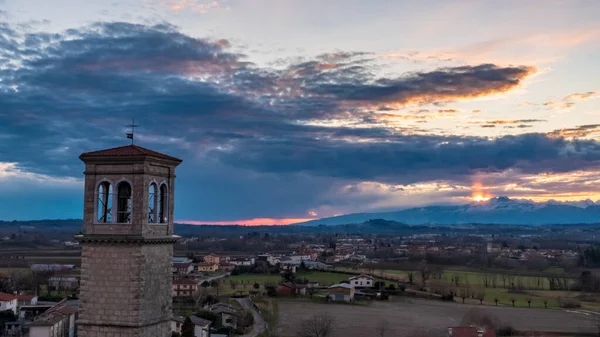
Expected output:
(495, 286)
(406, 316)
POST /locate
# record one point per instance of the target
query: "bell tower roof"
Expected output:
(128, 151)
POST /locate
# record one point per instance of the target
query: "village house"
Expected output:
(226, 266)
(60, 282)
(288, 289)
(201, 326)
(51, 267)
(242, 261)
(207, 267)
(183, 268)
(341, 292)
(229, 314)
(212, 258)
(361, 281)
(8, 302)
(184, 287)
(26, 299)
(58, 321)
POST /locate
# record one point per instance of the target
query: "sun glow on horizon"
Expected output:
(249, 222)
(480, 198)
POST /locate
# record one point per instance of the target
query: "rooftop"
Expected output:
(127, 151)
(4, 297)
(184, 281)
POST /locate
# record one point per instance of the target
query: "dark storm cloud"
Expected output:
(441, 85)
(408, 159)
(72, 92)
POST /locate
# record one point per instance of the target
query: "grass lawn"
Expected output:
(7, 271)
(504, 298)
(478, 278)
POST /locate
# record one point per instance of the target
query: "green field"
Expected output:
(474, 280)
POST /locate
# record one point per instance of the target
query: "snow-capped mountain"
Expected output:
(500, 210)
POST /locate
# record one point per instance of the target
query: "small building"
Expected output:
(208, 267)
(361, 281)
(201, 326)
(26, 299)
(184, 287)
(242, 261)
(212, 258)
(341, 292)
(60, 282)
(183, 268)
(288, 289)
(226, 266)
(39, 268)
(229, 314)
(8, 302)
(58, 321)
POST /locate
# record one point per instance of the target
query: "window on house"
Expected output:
(152, 203)
(162, 204)
(104, 202)
(124, 203)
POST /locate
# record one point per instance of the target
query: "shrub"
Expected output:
(506, 330)
(568, 303)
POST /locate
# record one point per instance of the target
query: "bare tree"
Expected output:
(382, 328)
(319, 325)
(425, 272)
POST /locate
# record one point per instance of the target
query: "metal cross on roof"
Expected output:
(132, 126)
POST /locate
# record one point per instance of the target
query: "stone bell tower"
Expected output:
(127, 243)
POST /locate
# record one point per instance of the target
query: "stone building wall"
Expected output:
(125, 290)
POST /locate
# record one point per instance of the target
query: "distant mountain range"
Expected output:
(500, 210)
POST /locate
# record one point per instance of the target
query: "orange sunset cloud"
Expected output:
(248, 222)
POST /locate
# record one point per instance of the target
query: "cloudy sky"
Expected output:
(287, 109)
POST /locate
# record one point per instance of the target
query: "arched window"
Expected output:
(124, 203)
(104, 207)
(162, 203)
(152, 196)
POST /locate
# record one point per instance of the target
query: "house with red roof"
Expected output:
(8, 302)
(184, 287)
(26, 299)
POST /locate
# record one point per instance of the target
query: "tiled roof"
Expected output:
(25, 297)
(127, 151)
(4, 297)
(195, 320)
(185, 281)
(463, 331)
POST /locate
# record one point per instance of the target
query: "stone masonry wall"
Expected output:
(156, 277)
(125, 290)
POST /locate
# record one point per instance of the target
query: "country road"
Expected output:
(259, 323)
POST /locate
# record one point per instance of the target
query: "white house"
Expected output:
(58, 321)
(8, 302)
(304, 257)
(201, 326)
(242, 261)
(361, 281)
